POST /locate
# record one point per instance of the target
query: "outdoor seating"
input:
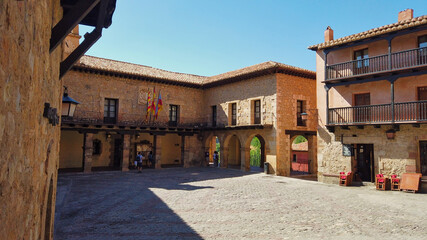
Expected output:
(345, 179)
(380, 182)
(395, 183)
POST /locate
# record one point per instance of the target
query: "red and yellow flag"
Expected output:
(149, 100)
(159, 105)
(153, 103)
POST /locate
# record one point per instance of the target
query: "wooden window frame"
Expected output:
(257, 111)
(362, 64)
(300, 109)
(107, 103)
(173, 109)
(214, 115)
(233, 114)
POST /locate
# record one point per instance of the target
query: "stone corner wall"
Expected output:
(29, 144)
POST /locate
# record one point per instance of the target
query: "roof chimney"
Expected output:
(329, 34)
(405, 15)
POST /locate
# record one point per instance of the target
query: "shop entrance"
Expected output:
(118, 146)
(365, 162)
(423, 157)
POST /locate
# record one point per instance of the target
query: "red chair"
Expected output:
(380, 182)
(346, 179)
(395, 183)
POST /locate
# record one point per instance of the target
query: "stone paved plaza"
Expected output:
(211, 203)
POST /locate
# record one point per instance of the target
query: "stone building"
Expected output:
(31, 63)
(372, 101)
(110, 125)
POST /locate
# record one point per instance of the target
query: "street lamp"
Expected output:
(304, 116)
(68, 104)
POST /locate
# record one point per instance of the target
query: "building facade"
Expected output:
(111, 125)
(372, 101)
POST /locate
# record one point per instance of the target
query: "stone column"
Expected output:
(283, 163)
(245, 159)
(157, 151)
(126, 152)
(87, 152)
(184, 153)
(312, 153)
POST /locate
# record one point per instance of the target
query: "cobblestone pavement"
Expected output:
(211, 203)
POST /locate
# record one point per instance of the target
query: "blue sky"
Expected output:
(211, 37)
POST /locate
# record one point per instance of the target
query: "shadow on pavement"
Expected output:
(120, 205)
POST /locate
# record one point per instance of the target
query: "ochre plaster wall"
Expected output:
(29, 144)
(71, 151)
(171, 149)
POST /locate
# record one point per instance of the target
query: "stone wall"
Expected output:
(242, 93)
(91, 89)
(394, 156)
(29, 144)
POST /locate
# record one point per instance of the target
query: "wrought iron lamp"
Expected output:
(304, 116)
(391, 133)
(68, 104)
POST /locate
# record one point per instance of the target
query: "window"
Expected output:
(213, 116)
(294, 158)
(361, 57)
(362, 111)
(422, 44)
(96, 147)
(257, 112)
(233, 114)
(300, 109)
(173, 115)
(110, 111)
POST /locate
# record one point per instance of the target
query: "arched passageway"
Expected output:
(300, 161)
(257, 153)
(212, 145)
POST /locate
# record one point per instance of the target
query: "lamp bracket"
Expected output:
(51, 114)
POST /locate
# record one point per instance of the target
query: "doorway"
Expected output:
(365, 168)
(118, 146)
(423, 157)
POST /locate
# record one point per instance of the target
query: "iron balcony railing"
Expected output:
(377, 114)
(382, 63)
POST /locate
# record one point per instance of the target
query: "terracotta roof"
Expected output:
(108, 65)
(373, 32)
(265, 66)
(135, 69)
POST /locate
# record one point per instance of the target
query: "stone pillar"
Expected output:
(312, 153)
(184, 153)
(157, 151)
(283, 155)
(223, 157)
(126, 152)
(245, 159)
(87, 152)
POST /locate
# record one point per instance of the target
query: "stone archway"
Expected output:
(211, 144)
(303, 159)
(249, 150)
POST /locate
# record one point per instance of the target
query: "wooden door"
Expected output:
(422, 106)
(423, 157)
(118, 146)
(365, 162)
(362, 109)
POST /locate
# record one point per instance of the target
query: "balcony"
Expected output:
(379, 114)
(398, 61)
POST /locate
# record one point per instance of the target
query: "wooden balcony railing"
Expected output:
(382, 63)
(377, 114)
